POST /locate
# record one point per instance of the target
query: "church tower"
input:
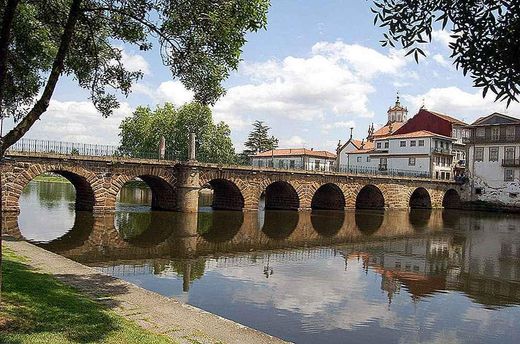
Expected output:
(397, 113)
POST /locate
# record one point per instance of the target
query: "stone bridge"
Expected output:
(175, 185)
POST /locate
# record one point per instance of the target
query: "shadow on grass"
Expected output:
(34, 302)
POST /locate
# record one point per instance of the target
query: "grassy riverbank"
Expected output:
(50, 178)
(37, 308)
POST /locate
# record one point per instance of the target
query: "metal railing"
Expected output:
(80, 149)
(94, 150)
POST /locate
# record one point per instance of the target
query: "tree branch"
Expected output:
(57, 67)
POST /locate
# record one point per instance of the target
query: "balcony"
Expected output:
(511, 162)
(444, 151)
(489, 139)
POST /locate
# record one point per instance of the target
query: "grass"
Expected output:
(37, 308)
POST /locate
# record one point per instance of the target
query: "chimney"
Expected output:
(351, 129)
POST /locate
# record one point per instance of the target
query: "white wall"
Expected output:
(307, 163)
(489, 176)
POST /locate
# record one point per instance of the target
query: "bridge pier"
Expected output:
(188, 188)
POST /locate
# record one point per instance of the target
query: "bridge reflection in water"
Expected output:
(427, 250)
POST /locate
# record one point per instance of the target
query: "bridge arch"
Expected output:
(281, 195)
(88, 192)
(328, 197)
(161, 187)
(451, 199)
(420, 199)
(226, 194)
(370, 197)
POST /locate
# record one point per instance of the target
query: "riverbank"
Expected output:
(97, 307)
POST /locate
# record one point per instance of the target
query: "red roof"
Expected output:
(385, 131)
(296, 151)
(447, 118)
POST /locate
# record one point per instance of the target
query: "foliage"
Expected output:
(485, 37)
(37, 308)
(40, 40)
(259, 140)
(141, 133)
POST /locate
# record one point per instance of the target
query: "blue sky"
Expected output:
(317, 70)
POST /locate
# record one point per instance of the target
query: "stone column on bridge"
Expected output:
(188, 187)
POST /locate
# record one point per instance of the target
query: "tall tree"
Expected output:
(259, 140)
(40, 40)
(485, 37)
(141, 133)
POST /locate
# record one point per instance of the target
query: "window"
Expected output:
(443, 161)
(481, 132)
(493, 153)
(379, 145)
(478, 191)
(437, 160)
(260, 163)
(437, 175)
(317, 164)
(448, 175)
(382, 164)
(291, 163)
(402, 143)
(479, 154)
(495, 133)
(510, 133)
(358, 159)
(513, 194)
(509, 175)
(386, 144)
(411, 161)
(421, 143)
(510, 153)
(368, 159)
(413, 143)
(443, 175)
(280, 163)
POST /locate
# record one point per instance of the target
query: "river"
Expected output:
(309, 277)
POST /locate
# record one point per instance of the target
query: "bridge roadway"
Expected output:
(176, 185)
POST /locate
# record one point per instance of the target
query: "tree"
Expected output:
(141, 133)
(258, 140)
(485, 37)
(40, 40)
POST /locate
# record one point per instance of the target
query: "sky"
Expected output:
(316, 71)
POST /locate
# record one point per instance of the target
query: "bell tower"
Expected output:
(397, 113)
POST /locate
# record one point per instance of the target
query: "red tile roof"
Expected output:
(385, 131)
(447, 118)
(295, 151)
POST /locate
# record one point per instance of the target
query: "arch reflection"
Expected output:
(144, 228)
(219, 226)
(279, 224)
(327, 223)
(369, 221)
(419, 218)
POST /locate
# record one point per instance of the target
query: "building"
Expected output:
(419, 153)
(397, 117)
(493, 146)
(295, 158)
(441, 124)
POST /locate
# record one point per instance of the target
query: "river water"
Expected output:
(320, 277)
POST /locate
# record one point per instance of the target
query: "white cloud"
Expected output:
(441, 60)
(325, 128)
(460, 104)
(174, 92)
(135, 62)
(293, 142)
(79, 122)
(443, 37)
(333, 80)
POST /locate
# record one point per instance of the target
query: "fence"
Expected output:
(80, 149)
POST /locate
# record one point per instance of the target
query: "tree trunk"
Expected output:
(57, 67)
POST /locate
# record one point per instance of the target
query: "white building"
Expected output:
(295, 158)
(421, 153)
(493, 149)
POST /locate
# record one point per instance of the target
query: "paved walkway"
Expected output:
(157, 313)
